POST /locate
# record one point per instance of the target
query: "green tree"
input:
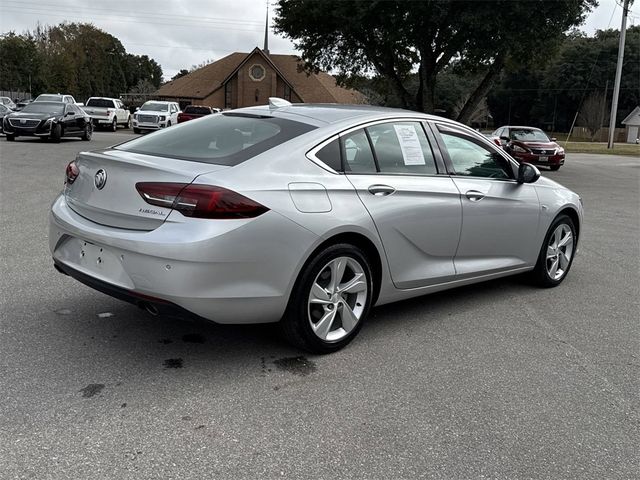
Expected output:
(396, 39)
(552, 96)
(20, 63)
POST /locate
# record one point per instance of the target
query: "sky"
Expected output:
(182, 33)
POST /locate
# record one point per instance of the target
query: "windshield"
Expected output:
(528, 135)
(49, 98)
(156, 107)
(44, 107)
(227, 139)
(100, 102)
(197, 110)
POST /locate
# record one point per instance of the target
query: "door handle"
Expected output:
(474, 195)
(381, 190)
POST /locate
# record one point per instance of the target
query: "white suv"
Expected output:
(154, 114)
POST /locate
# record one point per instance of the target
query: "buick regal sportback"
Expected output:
(307, 215)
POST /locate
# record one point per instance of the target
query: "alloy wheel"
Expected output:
(559, 251)
(337, 299)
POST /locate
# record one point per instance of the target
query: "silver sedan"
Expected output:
(307, 215)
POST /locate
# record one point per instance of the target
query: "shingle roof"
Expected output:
(314, 88)
(633, 118)
(202, 82)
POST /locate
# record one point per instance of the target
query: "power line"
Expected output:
(129, 14)
(123, 19)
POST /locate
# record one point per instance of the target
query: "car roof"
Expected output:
(522, 127)
(326, 113)
(49, 102)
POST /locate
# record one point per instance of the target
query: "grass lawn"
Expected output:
(587, 147)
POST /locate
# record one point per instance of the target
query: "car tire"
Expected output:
(114, 125)
(128, 123)
(136, 130)
(168, 123)
(88, 133)
(11, 138)
(556, 254)
(56, 133)
(554, 168)
(330, 300)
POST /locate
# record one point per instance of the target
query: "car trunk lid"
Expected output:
(104, 190)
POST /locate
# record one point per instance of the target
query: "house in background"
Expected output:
(632, 123)
(247, 79)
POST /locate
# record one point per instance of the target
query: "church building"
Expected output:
(246, 79)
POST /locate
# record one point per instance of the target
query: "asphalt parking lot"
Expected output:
(499, 380)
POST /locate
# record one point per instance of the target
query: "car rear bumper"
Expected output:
(211, 269)
(101, 121)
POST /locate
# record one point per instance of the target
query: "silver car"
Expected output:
(307, 215)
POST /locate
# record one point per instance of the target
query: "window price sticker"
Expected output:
(412, 153)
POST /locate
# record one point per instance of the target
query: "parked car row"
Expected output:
(53, 116)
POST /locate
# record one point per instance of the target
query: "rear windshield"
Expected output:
(100, 102)
(227, 139)
(44, 107)
(198, 110)
(155, 107)
(49, 98)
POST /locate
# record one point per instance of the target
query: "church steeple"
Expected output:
(266, 32)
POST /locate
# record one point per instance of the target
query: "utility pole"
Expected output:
(616, 85)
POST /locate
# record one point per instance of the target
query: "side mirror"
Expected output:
(527, 173)
(554, 139)
(137, 108)
(506, 139)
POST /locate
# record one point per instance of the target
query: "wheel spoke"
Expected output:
(550, 252)
(349, 319)
(565, 240)
(564, 260)
(323, 327)
(337, 272)
(355, 285)
(319, 295)
(554, 269)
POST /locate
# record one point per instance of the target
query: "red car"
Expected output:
(195, 111)
(532, 145)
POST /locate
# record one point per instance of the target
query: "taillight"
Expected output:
(200, 201)
(71, 173)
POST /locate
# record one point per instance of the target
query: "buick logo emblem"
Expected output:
(100, 179)
(22, 121)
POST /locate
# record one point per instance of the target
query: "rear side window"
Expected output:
(100, 103)
(330, 155)
(227, 139)
(357, 154)
(402, 147)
